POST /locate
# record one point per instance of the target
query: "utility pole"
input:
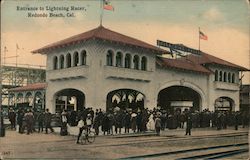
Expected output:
(2, 129)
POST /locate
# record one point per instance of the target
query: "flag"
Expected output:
(107, 5)
(17, 46)
(203, 36)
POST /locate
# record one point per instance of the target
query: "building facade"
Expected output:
(19, 76)
(102, 68)
(28, 96)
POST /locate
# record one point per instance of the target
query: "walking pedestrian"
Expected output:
(89, 122)
(158, 124)
(96, 123)
(118, 122)
(105, 123)
(64, 120)
(20, 116)
(12, 118)
(236, 120)
(151, 123)
(127, 122)
(40, 119)
(189, 125)
(139, 121)
(47, 121)
(133, 121)
(29, 119)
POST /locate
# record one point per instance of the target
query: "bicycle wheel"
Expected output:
(91, 137)
(83, 139)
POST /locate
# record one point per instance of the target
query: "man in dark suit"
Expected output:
(47, 121)
(189, 125)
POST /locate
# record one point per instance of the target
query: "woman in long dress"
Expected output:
(151, 123)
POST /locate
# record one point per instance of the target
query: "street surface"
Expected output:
(49, 146)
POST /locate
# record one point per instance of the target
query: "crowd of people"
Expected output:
(26, 120)
(141, 120)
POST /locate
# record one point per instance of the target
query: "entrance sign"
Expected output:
(182, 103)
(176, 47)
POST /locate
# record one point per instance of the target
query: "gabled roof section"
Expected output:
(30, 87)
(100, 33)
(182, 64)
(205, 58)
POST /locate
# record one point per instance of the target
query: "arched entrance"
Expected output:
(69, 99)
(224, 104)
(125, 99)
(179, 98)
(29, 99)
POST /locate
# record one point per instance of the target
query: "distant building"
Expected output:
(17, 76)
(105, 69)
(245, 98)
(31, 95)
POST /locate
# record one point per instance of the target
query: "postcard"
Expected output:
(124, 79)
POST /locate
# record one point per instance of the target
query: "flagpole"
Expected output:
(101, 15)
(199, 38)
(16, 65)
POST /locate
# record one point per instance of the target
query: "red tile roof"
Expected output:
(205, 58)
(183, 64)
(30, 87)
(100, 33)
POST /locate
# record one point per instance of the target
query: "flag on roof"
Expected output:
(107, 5)
(203, 36)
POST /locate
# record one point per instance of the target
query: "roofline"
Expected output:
(22, 88)
(178, 68)
(239, 68)
(158, 51)
(93, 34)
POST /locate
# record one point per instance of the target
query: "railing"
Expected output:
(226, 86)
(127, 73)
(68, 73)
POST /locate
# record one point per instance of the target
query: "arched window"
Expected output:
(233, 78)
(229, 78)
(136, 62)
(118, 59)
(55, 62)
(61, 61)
(225, 77)
(76, 59)
(110, 58)
(144, 63)
(83, 57)
(68, 60)
(216, 75)
(221, 75)
(128, 61)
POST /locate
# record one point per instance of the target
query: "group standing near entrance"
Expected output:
(113, 122)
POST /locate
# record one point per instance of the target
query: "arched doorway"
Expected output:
(29, 99)
(224, 104)
(179, 98)
(125, 99)
(69, 99)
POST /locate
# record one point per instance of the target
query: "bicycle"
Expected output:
(87, 135)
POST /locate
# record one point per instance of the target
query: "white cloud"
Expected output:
(213, 14)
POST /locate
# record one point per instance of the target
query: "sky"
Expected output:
(225, 22)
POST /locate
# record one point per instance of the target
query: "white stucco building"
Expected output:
(100, 67)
